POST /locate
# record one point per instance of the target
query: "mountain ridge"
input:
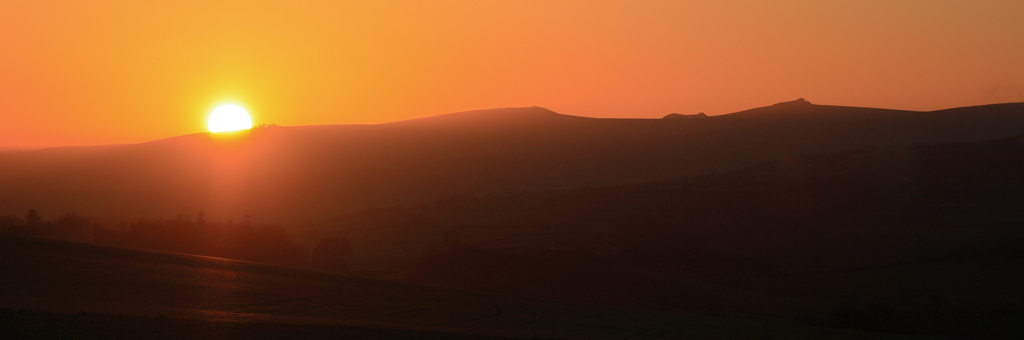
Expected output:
(537, 112)
(307, 172)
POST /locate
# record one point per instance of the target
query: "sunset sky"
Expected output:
(99, 72)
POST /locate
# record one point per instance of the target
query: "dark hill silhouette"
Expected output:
(886, 238)
(285, 174)
(797, 211)
(65, 290)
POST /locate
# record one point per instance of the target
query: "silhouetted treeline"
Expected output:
(244, 240)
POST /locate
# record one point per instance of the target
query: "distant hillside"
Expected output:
(853, 209)
(288, 174)
(914, 240)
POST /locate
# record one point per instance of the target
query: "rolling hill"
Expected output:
(922, 239)
(289, 174)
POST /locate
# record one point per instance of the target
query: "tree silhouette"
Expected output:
(32, 219)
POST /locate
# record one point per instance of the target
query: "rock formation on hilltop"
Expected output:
(682, 116)
(797, 102)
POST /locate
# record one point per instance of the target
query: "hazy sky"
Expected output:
(96, 72)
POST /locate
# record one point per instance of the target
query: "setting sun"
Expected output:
(229, 118)
(535, 169)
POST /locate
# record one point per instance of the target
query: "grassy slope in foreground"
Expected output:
(74, 289)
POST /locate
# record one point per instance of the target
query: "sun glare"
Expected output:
(229, 118)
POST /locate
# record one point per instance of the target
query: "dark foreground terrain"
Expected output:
(57, 289)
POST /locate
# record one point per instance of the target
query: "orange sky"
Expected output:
(96, 72)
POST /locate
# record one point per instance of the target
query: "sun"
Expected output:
(229, 118)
